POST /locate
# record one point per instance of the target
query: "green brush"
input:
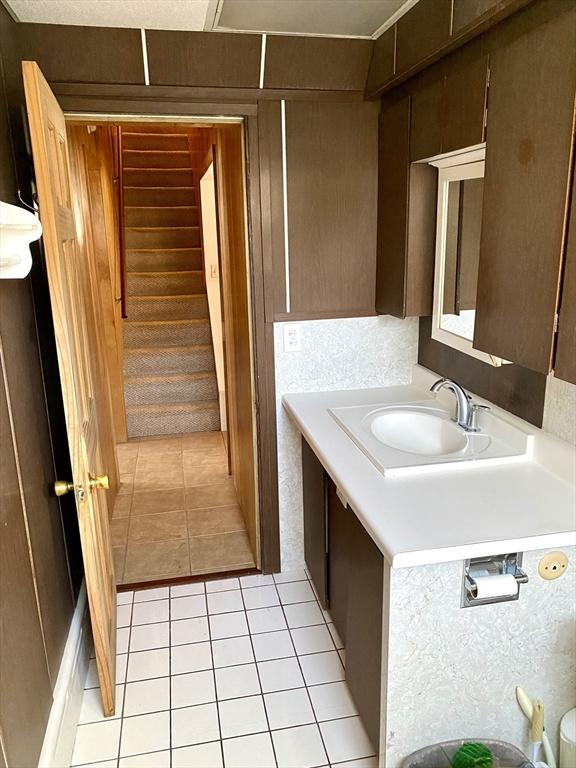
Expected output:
(472, 755)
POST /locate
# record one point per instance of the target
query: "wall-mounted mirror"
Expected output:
(458, 228)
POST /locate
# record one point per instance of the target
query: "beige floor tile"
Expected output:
(204, 496)
(119, 531)
(146, 561)
(198, 441)
(122, 505)
(202, 522)
(204, 457)
(119, 557)
(205, 475)
(151, 502)
(159, 527)
(225, 551)
(158, 471)
(156, 445)
(127, 454)
(126, 483)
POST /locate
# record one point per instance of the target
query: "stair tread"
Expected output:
(158, 229)
(170, 297)
(164, 273)
(177, 321)
(160, 207)
(197, 405)
(142, 379)
(171, 349)
(141, 186)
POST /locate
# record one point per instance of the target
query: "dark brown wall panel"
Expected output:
(393, 178)
(332, 198)
(426, 116)
(83, 54)
(423, 31)
(213, 59)
(464, 98)
(317, 62)
(511, 387)
(383, 60)
(530, 117)
(26, 692)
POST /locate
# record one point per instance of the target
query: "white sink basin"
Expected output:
(415, 431)
(411, 438)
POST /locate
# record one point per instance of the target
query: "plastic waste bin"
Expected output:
(440, 755)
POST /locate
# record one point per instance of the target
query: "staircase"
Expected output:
(170, 382)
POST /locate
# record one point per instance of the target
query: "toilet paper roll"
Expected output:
(503, 585)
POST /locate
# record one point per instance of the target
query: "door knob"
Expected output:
(99, 481)
(62, 487)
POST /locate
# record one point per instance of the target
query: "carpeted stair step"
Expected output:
(171, 388)
(155, 177)
(142, 238)
(164, 283)
(161, 216)
(152, 141)
(155, 158)
(159, 195)
(169, 260)
(185, 307)
(166, 333)
(146, 361)
(173, 419)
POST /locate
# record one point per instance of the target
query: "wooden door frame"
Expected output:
(85, 105)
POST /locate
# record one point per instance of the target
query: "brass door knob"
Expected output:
(62, 487)
(99, 481)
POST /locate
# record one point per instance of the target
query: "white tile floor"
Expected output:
(235, 673)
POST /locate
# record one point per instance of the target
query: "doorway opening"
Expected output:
(160, 210)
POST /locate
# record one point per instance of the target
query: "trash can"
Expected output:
(440, 755)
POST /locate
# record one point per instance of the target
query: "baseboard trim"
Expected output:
(58, 742)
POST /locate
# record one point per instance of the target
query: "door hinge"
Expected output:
(556, 322)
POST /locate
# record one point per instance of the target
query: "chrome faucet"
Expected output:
(466, 410)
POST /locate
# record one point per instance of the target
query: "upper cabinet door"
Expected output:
(466, 76)
(565, 362)
(529, 137)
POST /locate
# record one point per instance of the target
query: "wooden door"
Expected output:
(68, 289)
(364, 626)
(315, 531)
(339, 563)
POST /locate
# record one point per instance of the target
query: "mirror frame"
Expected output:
(464, 165)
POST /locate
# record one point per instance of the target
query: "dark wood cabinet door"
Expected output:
(315, 532)
(422, 32)
(332, 187)
(464, 102)
(339, 565)
(565, 362)
(426, 117)
(529, 138)
(364, 627)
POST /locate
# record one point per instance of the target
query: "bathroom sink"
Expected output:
(412, 438)
(416, 431)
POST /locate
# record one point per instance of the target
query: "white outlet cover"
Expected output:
(292, 338)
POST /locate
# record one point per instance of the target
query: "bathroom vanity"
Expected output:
(389, 553)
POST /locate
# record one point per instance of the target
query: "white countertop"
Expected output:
(451, 515)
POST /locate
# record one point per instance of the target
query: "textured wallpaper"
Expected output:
(336, 354)
(560, 409)
(453, 672)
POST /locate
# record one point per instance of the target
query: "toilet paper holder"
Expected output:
(494, 565)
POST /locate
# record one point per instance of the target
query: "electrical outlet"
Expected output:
(553, 565)
(292, 339)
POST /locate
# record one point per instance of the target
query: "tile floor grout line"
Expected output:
(214, 678)
(125, 679)
(305, 684)
(260, 680)
(170, 672)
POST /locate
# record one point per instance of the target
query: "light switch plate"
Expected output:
(292, 339)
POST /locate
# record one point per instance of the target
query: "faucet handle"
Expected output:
(475, 408)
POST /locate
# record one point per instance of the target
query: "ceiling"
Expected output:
(340, 18)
